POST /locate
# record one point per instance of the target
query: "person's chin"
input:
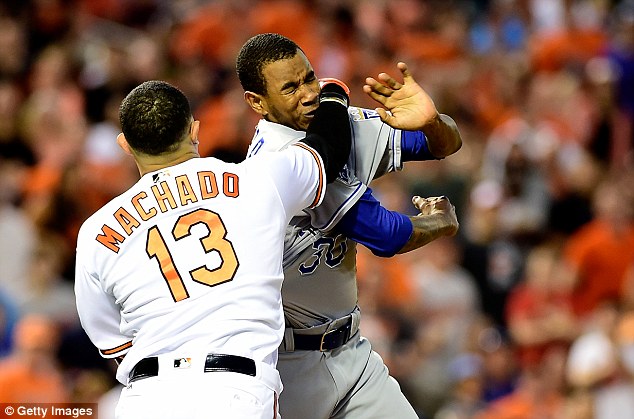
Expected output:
(305, 121)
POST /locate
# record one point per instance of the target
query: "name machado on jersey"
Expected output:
(146, 204)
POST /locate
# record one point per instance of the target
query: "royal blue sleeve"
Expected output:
(414, 146)
(382, 231)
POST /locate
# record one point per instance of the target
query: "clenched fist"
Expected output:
(441, 206)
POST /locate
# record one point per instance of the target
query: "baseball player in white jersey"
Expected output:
(179, 277)
(328, 369)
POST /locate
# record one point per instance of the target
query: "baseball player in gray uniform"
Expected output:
(328, 369)
(179, 280)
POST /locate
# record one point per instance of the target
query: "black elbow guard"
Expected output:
(329, 132)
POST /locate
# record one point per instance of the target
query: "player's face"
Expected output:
(292, 92)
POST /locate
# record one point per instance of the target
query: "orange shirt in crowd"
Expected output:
(601, 259)
(552, 51)
(21, 384)
(523, 405)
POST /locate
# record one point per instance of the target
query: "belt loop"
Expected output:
(356, 321)
(289, 340)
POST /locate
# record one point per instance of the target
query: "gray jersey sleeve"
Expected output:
(376, 150)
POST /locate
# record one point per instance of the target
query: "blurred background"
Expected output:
(527, 313)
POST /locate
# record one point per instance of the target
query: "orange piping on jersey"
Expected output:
(117, 349)
(321, 172)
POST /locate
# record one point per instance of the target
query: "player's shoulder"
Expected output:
(297, 161)
(271, 136)
(100, 217)
(283, 159)
(358, 114)
(93, 226)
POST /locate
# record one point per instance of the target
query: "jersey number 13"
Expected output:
(215, 240)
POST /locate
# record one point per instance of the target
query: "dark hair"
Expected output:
(256, 53)
(154, 117)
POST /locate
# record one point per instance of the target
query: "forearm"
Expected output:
(443, 136)
(329, 133)
(382, 231)
(427, 228)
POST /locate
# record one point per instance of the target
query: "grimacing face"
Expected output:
(292, 92)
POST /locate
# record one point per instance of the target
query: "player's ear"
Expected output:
(193, 131)
(123, 143)
(256, 102)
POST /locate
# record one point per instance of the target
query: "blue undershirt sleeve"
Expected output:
(382, 231)
(414, 146)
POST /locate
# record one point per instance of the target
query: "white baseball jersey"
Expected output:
(320, 264)
(190, 258)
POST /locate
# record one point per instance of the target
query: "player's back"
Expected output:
(188, 259)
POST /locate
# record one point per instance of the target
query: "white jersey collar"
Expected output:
(277, 136)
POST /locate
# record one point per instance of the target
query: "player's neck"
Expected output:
(149, 164)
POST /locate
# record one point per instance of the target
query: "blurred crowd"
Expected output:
(527, 313)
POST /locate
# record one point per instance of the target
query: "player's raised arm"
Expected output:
(408, 107)
(329, 132)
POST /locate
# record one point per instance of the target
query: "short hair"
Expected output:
(257, 53)
(154, 117)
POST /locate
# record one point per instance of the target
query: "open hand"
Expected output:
(410, 107)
